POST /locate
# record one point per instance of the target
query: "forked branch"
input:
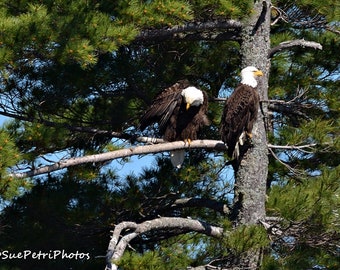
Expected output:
(119, 241)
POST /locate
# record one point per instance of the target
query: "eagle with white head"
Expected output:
(180, 111)
(240, 112)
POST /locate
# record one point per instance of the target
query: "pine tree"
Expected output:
(75, 78)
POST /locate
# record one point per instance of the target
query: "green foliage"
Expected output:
(246, 238)
(9, 155)
(328, 8)
(222, 8)
(303, 258)
(316, 199)
(149, 260)
(61, 30)
(156, 13)
(174, 258)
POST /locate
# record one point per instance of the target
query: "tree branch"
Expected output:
(333, 30)
(202, 202)
(292, 43)
(118, 244)
(291, 169)
(295, 147)
(302, 232)
(138, 150)
(291, 107)
(67, 126)
(212, 30)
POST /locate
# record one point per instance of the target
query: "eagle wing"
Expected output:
(163, 106)
(239, 115)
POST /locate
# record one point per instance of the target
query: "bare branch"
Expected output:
(296, 147)
(118, 243)
(292, 43)
(333, 30)
(127, 152)
(291, 169)
(277, 15)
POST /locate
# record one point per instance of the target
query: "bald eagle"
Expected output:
(180, 111)
(240, 112)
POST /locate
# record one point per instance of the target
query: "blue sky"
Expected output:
(134, 165)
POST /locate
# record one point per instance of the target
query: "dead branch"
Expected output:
(302, 148)
(333, 30)
(119, 242)
(293, 43)
(278, 14)
(291, 169)
(127, 152)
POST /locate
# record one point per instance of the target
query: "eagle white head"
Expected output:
(192, 96)
(249, 75)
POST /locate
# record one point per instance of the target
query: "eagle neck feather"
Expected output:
(250, 81)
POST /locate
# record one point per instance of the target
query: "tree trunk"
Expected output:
(251, 174)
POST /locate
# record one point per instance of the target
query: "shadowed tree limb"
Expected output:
(201, 202)
(211, 30)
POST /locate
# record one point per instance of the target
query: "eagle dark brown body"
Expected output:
(240, 112)
(239, 115)
(175, 121)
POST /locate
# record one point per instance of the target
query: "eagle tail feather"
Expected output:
(240, 142)
(177, 158)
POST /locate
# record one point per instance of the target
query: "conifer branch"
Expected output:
(127, 152)
(201, 202)
(293, 43)
(302, 232)
(119, 242)
(210, 30)
(289, 108)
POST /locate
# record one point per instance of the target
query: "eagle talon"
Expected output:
(249, 139)
(188, 141)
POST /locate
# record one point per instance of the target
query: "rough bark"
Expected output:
(251, 174)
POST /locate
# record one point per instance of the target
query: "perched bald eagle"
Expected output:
(240, 112)
(180, 112)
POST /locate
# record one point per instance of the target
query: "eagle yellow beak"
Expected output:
(258, 73)
(188, 106)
